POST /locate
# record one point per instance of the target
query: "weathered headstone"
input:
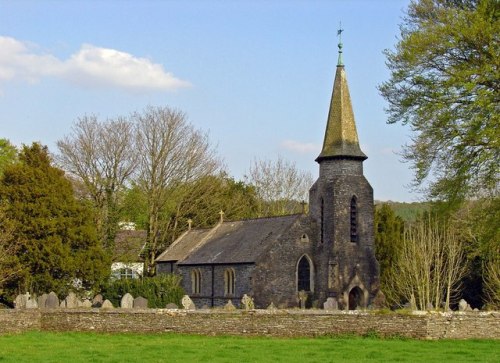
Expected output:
(41, 300)
(247, 302)
(171, 306)
(187, 303)
(302, 299)
(229, 306)
(430, 306)
(127, 301)
(52, 301)
(32, 303)
(71, 301)
(97, 301)
(331, 304)
(272, 306)
(86, 303)
(21, 301)
(463, 305)
(140, 303)
(107, 304)
(205, 307)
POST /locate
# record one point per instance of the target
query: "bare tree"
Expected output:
(429, 265)
(102, 157)
(172, 152)
(281, 187)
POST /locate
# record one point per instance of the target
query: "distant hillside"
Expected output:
(407, 211)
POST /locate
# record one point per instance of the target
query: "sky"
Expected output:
(257, 75)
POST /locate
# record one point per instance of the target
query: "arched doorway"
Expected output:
(355, 298)
(304, 275)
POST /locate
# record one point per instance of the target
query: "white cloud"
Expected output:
(300, 147)
(91, 66)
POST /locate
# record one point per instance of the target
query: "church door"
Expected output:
(355, 298)
(304, 275)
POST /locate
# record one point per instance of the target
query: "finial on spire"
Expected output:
(340, 45)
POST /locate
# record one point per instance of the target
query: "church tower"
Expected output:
(342, 209)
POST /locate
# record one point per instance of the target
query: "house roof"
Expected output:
(129, 245)
(228, 242)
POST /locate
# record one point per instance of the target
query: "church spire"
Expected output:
(341, 137)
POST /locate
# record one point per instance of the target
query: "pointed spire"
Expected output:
(341, 136)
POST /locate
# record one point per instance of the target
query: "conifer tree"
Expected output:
(58, 246)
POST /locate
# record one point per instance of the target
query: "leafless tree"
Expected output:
(429, 265)
(101, 156)
(172, 152)
(281, 187)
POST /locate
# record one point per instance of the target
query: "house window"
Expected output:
(127, 273)
(229, 282)
(354, 220)
(195, 282)
(304, 271)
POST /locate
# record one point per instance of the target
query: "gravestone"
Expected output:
(171, 306)
(97, 301)
(463, 305)
(229, 306)
(32, 303)
(272, 306)
(140, 303)
(302, 299)
(71, 301)
(21, 301)
(331, 304)
(205, 307)
(52, 301)
(379, 301)
(187, 303)
(247, 302)
(107, 304)
(41, 300)
(86, 303)
(127, 301)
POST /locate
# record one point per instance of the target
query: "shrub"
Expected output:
(159, 290)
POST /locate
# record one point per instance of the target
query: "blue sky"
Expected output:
(257, 74)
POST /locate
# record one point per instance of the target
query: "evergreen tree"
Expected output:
(389, 231)
(59, 247)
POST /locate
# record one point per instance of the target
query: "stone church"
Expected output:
(327, 253)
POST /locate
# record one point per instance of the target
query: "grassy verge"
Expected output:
(88, 347)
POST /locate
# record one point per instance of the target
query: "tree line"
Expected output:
(60, 212)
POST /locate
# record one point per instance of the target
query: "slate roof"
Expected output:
(228, 242)
(129, 245)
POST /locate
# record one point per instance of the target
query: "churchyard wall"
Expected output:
(281, 323)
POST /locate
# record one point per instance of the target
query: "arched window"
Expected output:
(322, 221)
(195, 281)
(354, 219)
(304, 275)
(229, 283)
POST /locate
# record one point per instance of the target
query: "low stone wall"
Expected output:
(18, 321)
(282, 323)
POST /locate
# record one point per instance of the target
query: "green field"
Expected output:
(89, 347)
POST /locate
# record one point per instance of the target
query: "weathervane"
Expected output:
(339, 34)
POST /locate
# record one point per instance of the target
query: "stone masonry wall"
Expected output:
(282, 323)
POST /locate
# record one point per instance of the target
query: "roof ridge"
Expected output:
(203, 240)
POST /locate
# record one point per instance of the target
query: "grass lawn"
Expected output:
(89, 347)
